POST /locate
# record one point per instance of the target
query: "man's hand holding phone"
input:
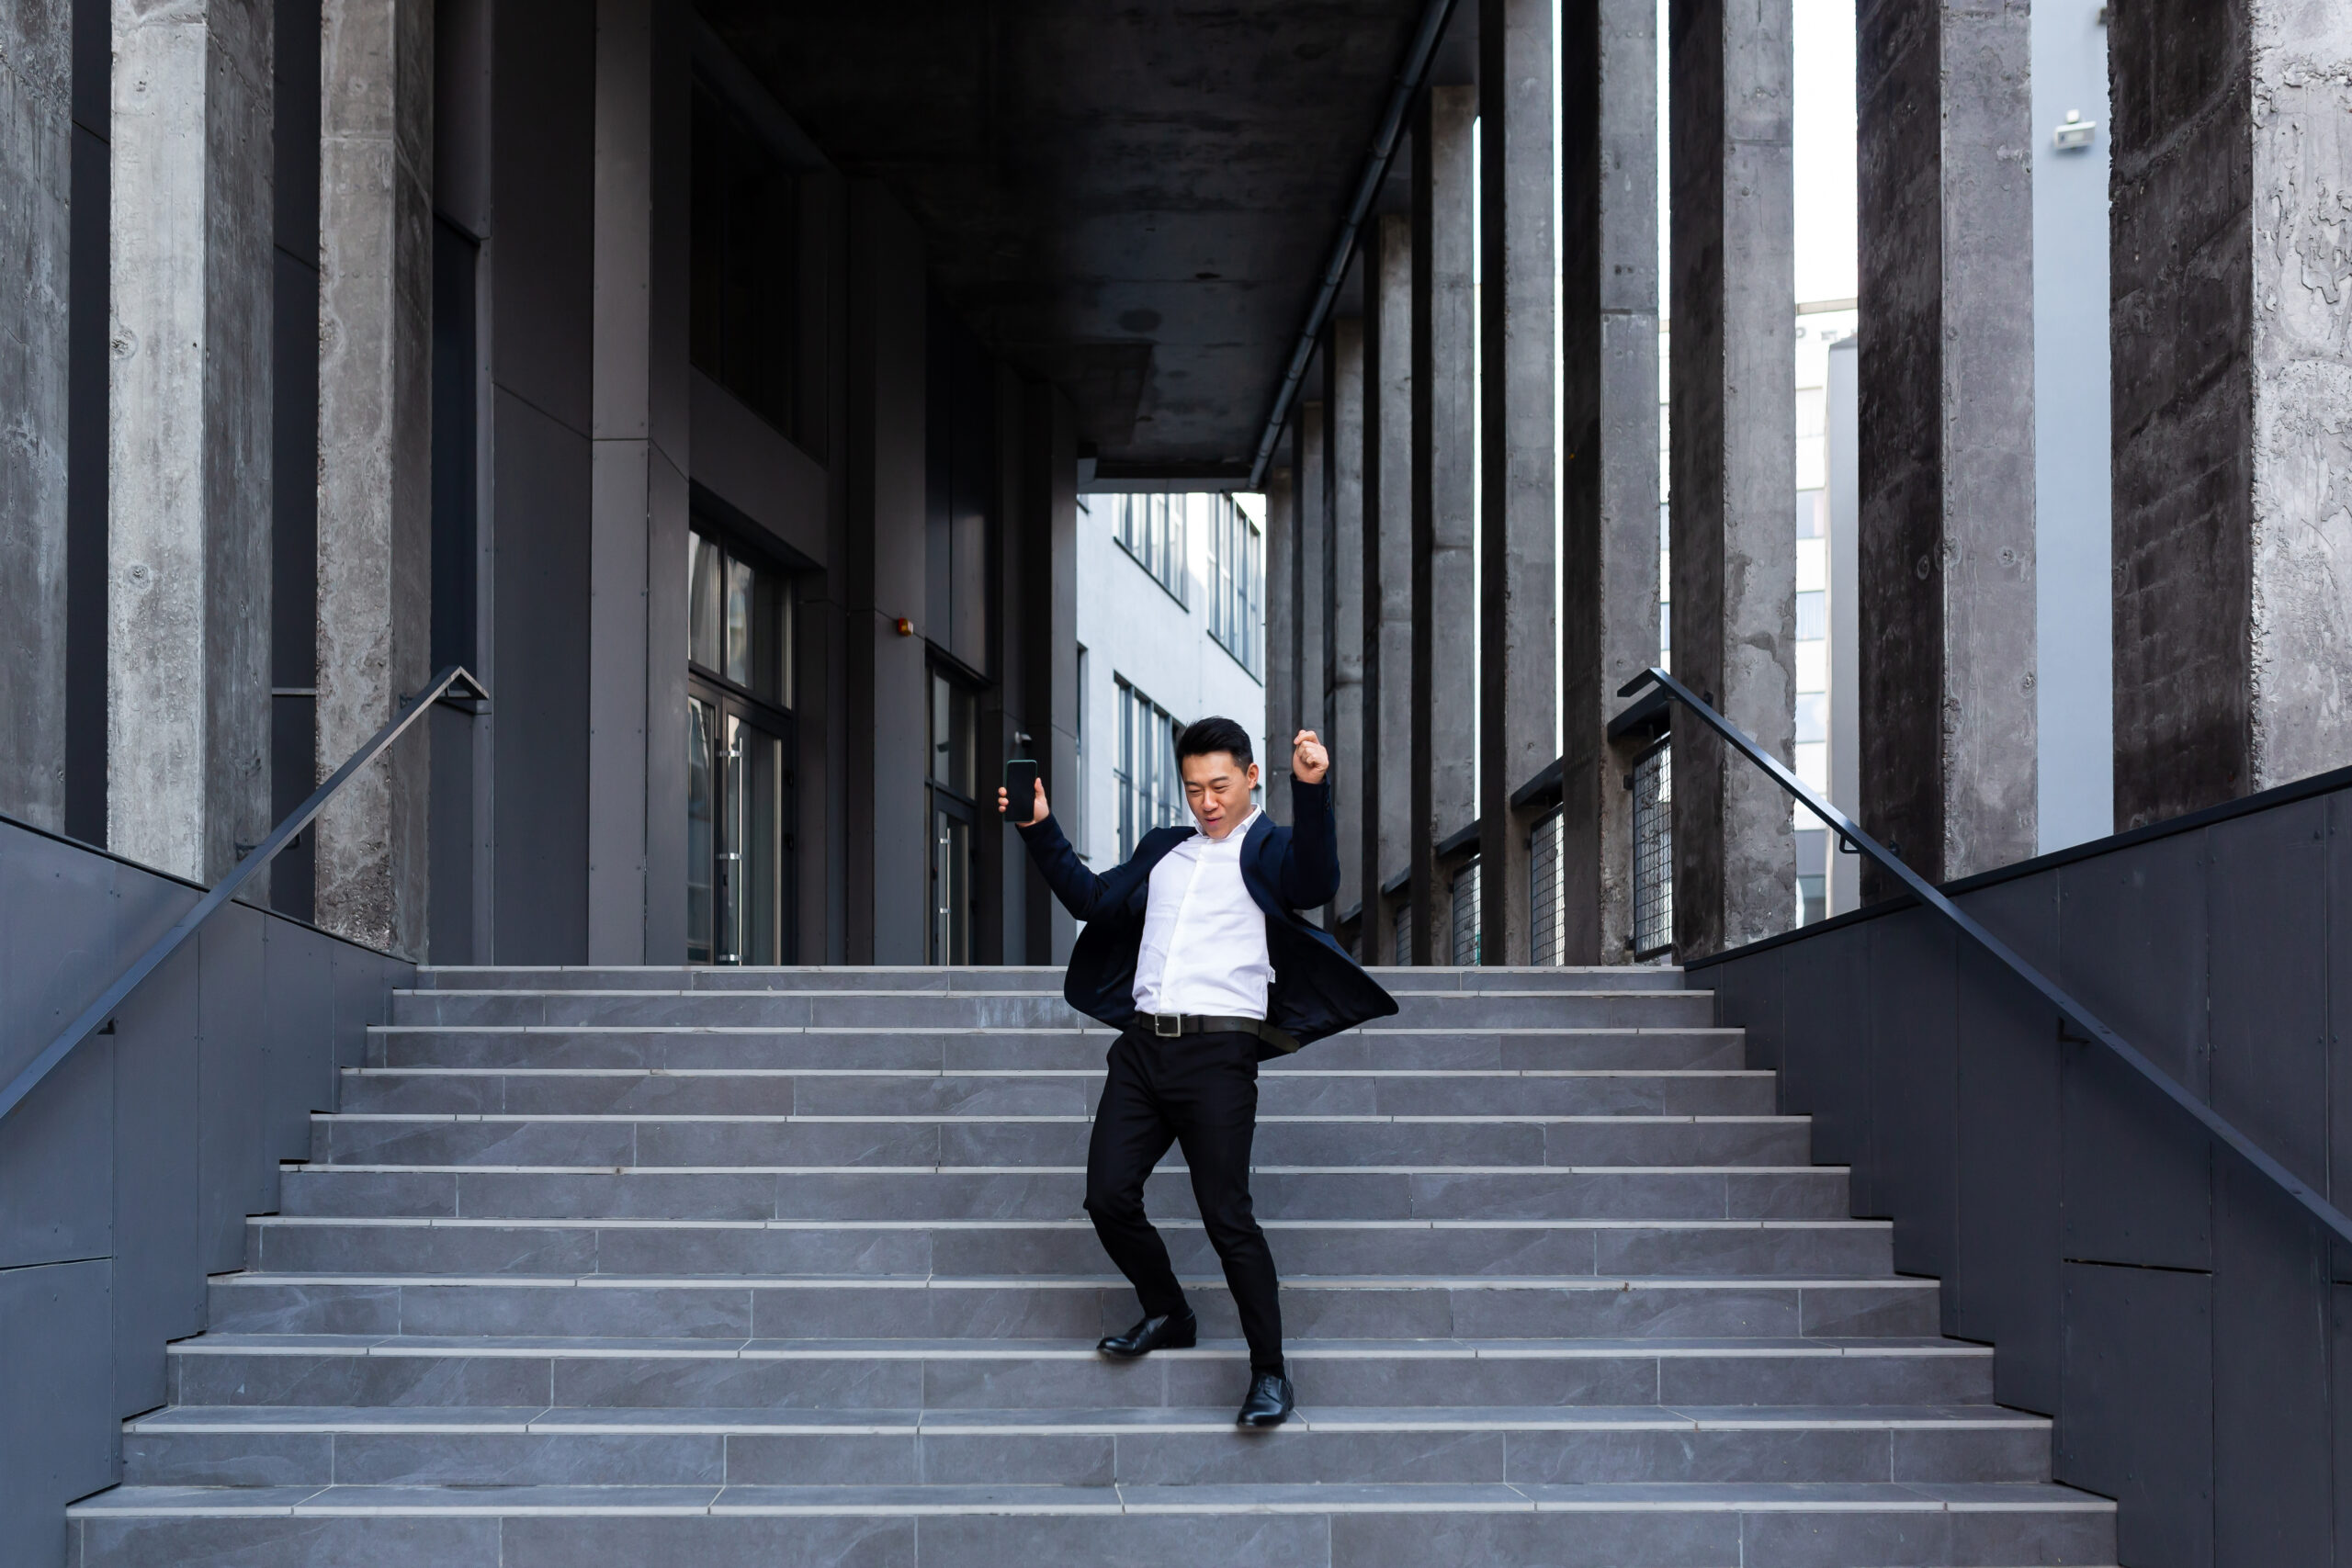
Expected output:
(1020, 772)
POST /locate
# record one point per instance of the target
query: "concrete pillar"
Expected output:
(639, 446)
(1446, 415)
(1281, 632)
(2231, 375)
(36, 169)
(1518, 436)
(1344, 403)
(1045, 530)
(1388, 824)
(1947, 590)
(188, 464)
(1608, 479)
(886, 834)
(1308, 597)
(375, 462)
(1732, 490)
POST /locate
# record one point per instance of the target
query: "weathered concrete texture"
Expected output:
(1609, 428)
(1947, 613)
(375, 552)
(36, 187)
(1387, 835)
(1343, 402)
(1518, 437)
(1281, 637)
(1733, 410)
(1309, 588)
(2232, 399)
(1445, 412)
(641, 396)
(187, 600)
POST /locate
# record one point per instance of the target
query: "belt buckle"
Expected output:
(1167, 1025)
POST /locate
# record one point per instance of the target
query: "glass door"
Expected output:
(739, 759)
(954, 812)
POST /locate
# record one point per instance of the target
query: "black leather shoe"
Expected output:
(1268, 1403)
(1170, 1333)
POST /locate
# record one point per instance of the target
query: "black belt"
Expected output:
(1169, 1025)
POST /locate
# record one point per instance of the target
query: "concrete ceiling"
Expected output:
(1135, 200)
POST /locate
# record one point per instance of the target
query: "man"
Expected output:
(1196, 952)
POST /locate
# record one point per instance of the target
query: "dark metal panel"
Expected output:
(1748, 995)
(2272, 1470)
(297, 1029)
(235, 1163)
(57, 1164)
(2338, 954)
(1825, 993)
(542, 141)
(1915, 1091)
(159, 1274)
(2132, 931)
(2005, 1285)
(59, 1440)
(2339, 1323)
(2266, 1020)
(2136, 1421)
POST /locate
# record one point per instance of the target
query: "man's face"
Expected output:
(1218, 789)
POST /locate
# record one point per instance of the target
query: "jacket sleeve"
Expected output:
(1309, 873)
(1079, 889)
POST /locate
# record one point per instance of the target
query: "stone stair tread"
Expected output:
(1743, 1282)
(619, 1501)
(233, 1343)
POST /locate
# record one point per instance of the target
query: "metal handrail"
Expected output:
(1920, 888)
(452, 683)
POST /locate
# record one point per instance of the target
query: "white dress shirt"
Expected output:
(1203, 937)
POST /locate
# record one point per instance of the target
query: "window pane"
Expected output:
(943, 761)
(762, 878)
(738, 667)
(702, 600)
(702, 825)
(733, 885)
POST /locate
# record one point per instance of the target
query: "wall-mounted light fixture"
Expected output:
(2075, 135)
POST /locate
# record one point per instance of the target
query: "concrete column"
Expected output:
(1446, 415)
(188, 464)
(1387, 807)
(1947, 591)
(1046, 538)
(2232, 376)
(1518, 436)
(1609, 297)
(1343, 402)
(638, 431)
(374, 465)
(1734, 479)
(1307, 586)
(1282, 634)
(36, 169)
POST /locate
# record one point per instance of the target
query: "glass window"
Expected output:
(1151, 529)
(1237, 591)
(1081, 783)
(702, 831)
(954, 719)
(704, 569)
(738, 619)
(1151, 792)
(743, 297)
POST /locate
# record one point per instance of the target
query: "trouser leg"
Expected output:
(1130, 1135)
(1215, 1108)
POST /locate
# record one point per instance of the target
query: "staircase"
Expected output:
(787, 1267)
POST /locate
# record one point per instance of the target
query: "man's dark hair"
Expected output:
(1205, 736)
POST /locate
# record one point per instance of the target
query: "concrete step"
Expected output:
(1678, 1138)
(373, 1372)
(1065, 1307)
(1027, 1248)
(923, 1091)
(1151, 1446)
(850, 1193)
(1004, 1009)
(1755, 1524)
(1046, 980)
(685, 1047)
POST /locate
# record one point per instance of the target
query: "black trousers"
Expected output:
(1199, 1091)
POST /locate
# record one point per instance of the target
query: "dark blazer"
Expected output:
(1318, 988)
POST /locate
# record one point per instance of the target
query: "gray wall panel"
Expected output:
(1914, 1089)
(2272, 1481)
(297, 1019)
(159, 1290)
(233, 1125)
(2267, 908)
(1822, 1075)
(1748, 996)
(2137, 1420)
(58, 1432)
(2134, 947)
(2137, 1188)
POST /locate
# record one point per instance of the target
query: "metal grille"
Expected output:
(1466, 914)
(1654, 849)
(1547, 902)
(1404, 932)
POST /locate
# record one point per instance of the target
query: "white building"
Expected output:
(1170, 628)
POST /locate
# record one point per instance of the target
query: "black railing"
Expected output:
(452, 684)
(1850, 832)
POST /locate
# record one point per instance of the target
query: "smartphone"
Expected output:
(1020, 784)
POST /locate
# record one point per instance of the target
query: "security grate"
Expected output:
(1465, 915)
(1404, 948)
(1654, 851)
(1547, 901)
